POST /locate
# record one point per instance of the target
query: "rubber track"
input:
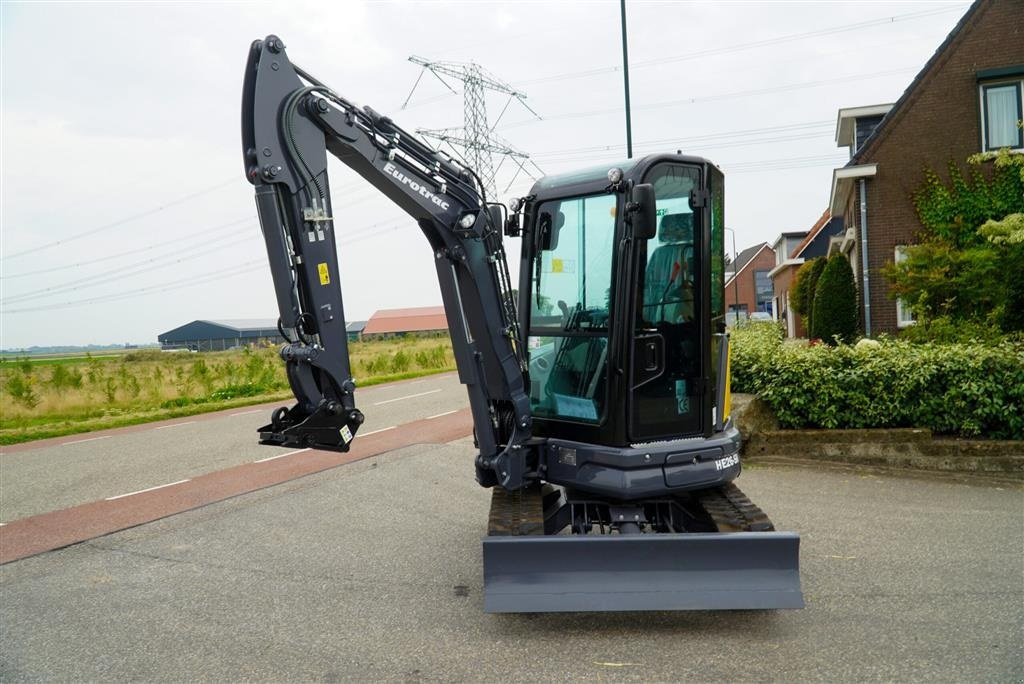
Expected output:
(516, 513)
(732, 511)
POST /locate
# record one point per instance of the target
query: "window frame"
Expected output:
(904, 316)
(983, 88)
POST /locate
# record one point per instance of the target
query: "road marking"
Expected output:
(417, 382)
(287, 453)
(164, 427)
(150, 489)
(91, 439)
(408, 396)
(373, 432)
(446, 413)
(245, 413)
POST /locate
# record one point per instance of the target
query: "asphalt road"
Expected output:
(371, 571)
(82, 468)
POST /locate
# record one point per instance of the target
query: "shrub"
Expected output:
(233, 391)
(62, 378)
(835, 302)
(21, 387)
(945, 330)
(143, 355)
(401, 361)
(802, 295)
(963, 389)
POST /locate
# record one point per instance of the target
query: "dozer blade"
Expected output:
(688, 571)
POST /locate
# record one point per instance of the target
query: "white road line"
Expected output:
(373, 432)
(287, 453)
(91, 439)
(446, 413)
(164, 427)
(245, 413)
(150, 489)
(417, 382)
(408, 396)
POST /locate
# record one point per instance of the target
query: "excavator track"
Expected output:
(731, 510)
(515, 514)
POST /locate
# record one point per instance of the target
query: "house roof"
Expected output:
(794, 258)
(822, 221)
(847, 119)
(406, 320)
(745, 258)
(883, 128)
(355, 326)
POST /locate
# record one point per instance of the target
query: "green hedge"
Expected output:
(961, 389)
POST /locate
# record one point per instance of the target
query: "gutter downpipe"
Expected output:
(864, 256)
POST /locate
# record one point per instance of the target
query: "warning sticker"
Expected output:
(325, 276)
(346, 434)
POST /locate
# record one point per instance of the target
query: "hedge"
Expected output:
(958, 389)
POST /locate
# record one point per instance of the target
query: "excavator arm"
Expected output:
(290, 121)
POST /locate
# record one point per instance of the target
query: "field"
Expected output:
(42, 398)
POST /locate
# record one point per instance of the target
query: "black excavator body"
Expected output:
(600, 398)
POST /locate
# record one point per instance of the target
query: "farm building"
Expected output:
(354, 330)
(220, 335)
(426, 320)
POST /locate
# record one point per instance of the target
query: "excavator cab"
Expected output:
(622, 310)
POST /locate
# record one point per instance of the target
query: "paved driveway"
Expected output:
(371, 571)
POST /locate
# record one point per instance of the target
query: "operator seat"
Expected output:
(668, 280)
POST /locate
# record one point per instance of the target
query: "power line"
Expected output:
(228, 272)
(699, 138)
(118, 274)
(722, 96)
(66, 267)
(119, 222)
(744, 46)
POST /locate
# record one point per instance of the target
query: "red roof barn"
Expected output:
(424, 319)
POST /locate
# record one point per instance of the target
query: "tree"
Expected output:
(834, 314)
(971, 247)
(801, 299)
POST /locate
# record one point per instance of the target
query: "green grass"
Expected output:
(71, 396)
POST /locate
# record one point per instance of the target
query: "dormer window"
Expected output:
(1001, 114)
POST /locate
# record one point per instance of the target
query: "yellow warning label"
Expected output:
(556, 265)
(325, 275)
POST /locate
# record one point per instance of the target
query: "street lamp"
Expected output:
(735, 281)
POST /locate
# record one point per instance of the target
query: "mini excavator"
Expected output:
(598, 387)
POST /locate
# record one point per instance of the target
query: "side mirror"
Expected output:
(549, 227)
(643, 212)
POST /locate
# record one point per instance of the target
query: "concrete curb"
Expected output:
(892, 449)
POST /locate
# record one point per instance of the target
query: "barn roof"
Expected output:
(406, 320)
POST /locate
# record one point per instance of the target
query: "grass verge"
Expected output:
(50, 430)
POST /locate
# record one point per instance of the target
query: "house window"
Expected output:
(763, 291)
(904, 317)
(1001, 113)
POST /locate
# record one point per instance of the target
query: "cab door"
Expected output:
(668, 373)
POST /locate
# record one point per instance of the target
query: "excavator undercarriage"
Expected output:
(549, 550)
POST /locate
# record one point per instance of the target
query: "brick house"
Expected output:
(748, 288)
(966, 99)
(788, 260)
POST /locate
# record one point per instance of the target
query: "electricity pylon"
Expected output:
(478, 142)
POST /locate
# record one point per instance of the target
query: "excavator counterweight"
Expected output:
(598, 384)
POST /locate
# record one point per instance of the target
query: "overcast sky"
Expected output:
(125, 212)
